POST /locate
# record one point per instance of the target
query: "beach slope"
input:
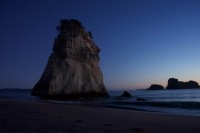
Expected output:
(31, 117)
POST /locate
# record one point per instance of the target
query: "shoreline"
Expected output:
(31, 116)
(124, 106)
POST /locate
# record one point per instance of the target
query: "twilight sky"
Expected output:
(142, 41)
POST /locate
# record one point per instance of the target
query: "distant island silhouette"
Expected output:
(174, 83)
(156, 87)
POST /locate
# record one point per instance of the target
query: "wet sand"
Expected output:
(32, 117)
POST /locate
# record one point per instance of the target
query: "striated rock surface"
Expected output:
(175, 84)
(156, 87)
(73, 68)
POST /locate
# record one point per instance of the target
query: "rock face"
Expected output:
(175, 84)
(73, 68)
(156, 87)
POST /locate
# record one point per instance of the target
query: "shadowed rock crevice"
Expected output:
(73, 67)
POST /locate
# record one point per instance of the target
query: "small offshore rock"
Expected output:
(126, 94)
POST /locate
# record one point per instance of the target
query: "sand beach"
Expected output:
(31, 117)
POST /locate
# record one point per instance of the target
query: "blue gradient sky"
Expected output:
(142, 41)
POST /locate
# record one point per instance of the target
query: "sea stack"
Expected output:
(73, 68)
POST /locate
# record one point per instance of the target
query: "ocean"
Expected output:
(179, 102)
(183, 102)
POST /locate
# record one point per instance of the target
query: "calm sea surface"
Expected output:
(183, 102)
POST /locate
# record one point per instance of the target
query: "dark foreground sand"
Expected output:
(37, 117)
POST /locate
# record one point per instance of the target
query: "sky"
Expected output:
(142, 42)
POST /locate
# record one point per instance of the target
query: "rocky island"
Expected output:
(73, 68)
(156, 87)
(174, 83)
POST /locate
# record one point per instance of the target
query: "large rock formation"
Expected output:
(175, 84)
(73, 68)
(156, 87)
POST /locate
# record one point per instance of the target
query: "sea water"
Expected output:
(183, 102)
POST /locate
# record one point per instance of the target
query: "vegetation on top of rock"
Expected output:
(67, 25)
